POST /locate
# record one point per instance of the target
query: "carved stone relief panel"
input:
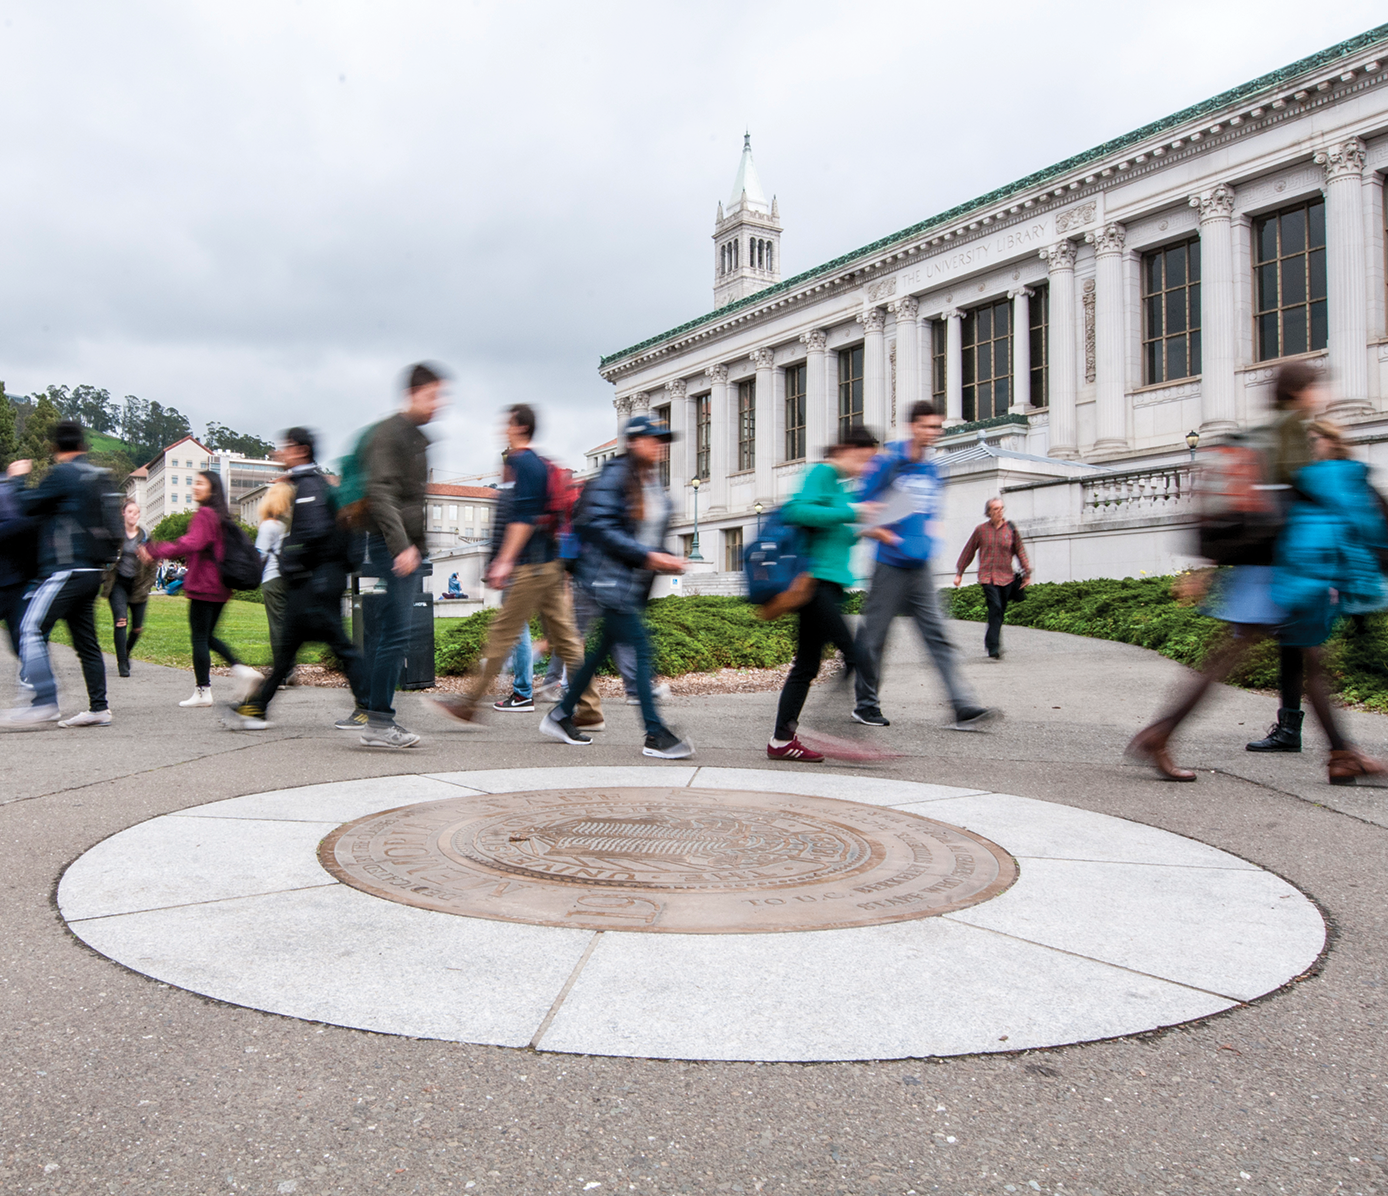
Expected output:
(1162, 226)
(1088, 300)
(1165, 394)
(882, 289)
(1076, 218)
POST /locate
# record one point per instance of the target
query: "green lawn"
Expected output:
(165, 640)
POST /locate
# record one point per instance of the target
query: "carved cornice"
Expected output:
(717, 374)
(874, 319)
(1108, 239)
(763, 359)
(1060, 256)
(1342, 161)
(676, 389)
(906, 308)
(1215, 204)
(816, 341)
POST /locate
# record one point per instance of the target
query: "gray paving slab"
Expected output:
(335, 801)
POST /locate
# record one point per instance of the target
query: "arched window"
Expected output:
(761, 254)
(770, 247)
(736, 246)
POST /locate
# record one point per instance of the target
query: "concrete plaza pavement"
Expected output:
(112, 1082)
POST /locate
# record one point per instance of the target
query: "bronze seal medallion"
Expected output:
(686, 861)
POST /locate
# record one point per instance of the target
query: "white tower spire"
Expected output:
(746, 236)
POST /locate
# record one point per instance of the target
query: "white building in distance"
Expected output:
(1078, 326)
(164, 486)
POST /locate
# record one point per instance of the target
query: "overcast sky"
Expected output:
(259, 212)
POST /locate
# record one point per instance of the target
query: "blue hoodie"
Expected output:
(893, 469)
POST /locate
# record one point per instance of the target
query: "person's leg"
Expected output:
(1285, 734)
(811, 637)
(385, 648)
(276, 593)
(119, 601)
(584, 612)
(1318, 691)
(624, 657)
(517, 609)
(44, 610)
(582, 674)
(295, 630)
(80, 617)
(992, 638)
(879, 609)
(136, 626)
(554, 609)
(200, 618)
(924, 606)
(1291, 675)
(523, 664)
(220, 647)
(629, 631)
(12, 610)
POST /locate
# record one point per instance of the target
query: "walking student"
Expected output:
(903, 478)
(126, 588)
(824, 508)
(528, 568)
(18, 561)
(623, 524)
(275, 509)
(397, 473)
(313, 565)
(72, 554)
(202, 547)
(995, 541)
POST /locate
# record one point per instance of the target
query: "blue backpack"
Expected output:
(774, 560)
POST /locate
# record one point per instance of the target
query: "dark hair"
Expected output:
(1292, 379)
(922, 408)
(303, 438)
(129, 502)
(853, 437)
(217, 499)
(67, 436)
(523, 416)
(424, 373)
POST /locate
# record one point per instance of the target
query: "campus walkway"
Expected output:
(113, 1082)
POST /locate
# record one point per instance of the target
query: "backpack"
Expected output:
(776, 565)
(561, 497)
(105, 523)
(1240, 512)
(569, 542)
(240, 566)
(352, 507)
(313, 537)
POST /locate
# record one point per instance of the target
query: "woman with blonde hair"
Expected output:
(275, 510)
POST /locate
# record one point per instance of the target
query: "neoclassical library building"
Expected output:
(1083, 329)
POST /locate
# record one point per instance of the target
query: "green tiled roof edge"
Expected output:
(1321, 58)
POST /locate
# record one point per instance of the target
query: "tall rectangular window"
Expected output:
(703, 437)
(1289, 280)
(795, 412)
(732, 550)
(987, 360)
(662, 413)
(1171, 312)
(850, 388)
(939, 355)
(747, 424)
(1041, 347)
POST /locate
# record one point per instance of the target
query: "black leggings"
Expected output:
(821, 623)
(127, 619)
(1291, 671)
(202, 623)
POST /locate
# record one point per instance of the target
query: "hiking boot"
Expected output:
(794, 750)
(352, 722)
(972, 718)
(122, 670)
(562, 729)
(515, 704)
(666, 745)
(458, 706)
(590, 722)
(245, 717)
(30, 716)
(88, 718)
(390, 735)
(202, 696)
(871, 717)
(245, 681)
(1283, 736)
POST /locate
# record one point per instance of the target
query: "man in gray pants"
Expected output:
(903, 479)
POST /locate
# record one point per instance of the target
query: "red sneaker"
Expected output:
(794, 750)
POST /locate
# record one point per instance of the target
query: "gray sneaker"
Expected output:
(667, 746)
(30, 716)
(973, 718)
(356, 721)
(390, 736)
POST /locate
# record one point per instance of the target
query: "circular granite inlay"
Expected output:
(689, 861)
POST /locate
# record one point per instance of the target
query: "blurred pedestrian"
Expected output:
(275, 510)
(995, 541)
(18, 561)
(126, 586)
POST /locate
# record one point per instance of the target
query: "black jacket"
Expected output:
(18, 540)
(67, 504)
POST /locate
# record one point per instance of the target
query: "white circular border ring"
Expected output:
(1112, 928)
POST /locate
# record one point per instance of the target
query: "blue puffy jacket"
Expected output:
(610, 566)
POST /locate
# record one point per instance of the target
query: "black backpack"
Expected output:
(240, 567)
(104, 521)
(314, 537)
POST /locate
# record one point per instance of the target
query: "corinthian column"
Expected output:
(1111, 417)
(765, 443)
(681, 451)
(1064, 434)
(1348, 283)
(622, 404)
(874, 321)
(1218, 345)
(908, 388)
(817, 418)
(954, 366)
(1021, 350)
(640, 403)
(719, 437)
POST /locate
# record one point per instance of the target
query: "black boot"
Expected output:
(1283, 736)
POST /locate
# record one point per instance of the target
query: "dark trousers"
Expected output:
(996, 597)
(385, 649)
(618, 628)
(821, 623)
(313, 615)
(12, 604)
(127, 620)
(71, 597)
(202, 627)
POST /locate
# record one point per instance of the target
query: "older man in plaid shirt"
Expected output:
(996, 541)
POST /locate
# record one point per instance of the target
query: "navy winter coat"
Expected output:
(610, 566)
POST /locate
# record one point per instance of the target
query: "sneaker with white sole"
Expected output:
(515, 704)
(244, 718)
(391, 736)
(88, 718)
(666, 745)
(30, 716)
(871, 717)
(563, 729)
(202, 696)
(551, 691)
(356, 721)
(973, 718)
(245, 681)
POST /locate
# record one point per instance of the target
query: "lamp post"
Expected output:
(1192, 442)
(694, 543)
(758, 509)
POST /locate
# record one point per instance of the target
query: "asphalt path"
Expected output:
(112, 1082)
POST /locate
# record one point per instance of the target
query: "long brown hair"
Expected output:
(1292, 379)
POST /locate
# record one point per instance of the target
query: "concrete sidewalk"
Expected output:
(112, 1082)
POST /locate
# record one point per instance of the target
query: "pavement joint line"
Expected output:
(1066, 859)
(245, 818)
(1108, 963)
(156, 909)
(564, 992)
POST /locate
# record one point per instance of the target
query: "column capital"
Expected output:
(816, 341)
(873, 319)
(717, 374)
(1020, 293)
(623, 405)
(906, 308)
(1061, 255)
(951, 313)
(1215, 204)
(1107, 239)
(763, 359)
(676, 389)
(640, 401)
(1345, 159)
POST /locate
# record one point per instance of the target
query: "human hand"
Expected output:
(1026, 580)
(866, 510)
(958, 580)
(19, 469)
(406, 562)
(143, 553)
(663, 562)
(499, 574)
(883, 534)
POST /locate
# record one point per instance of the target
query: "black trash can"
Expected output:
(418, 670)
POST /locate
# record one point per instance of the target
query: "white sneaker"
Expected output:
(88, 718)
(245, 681)
(659, 692)
(202, 696)
(29, 716)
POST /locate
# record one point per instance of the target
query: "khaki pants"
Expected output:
(534, 589)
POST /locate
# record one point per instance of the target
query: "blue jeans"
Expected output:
(618, 628)
(522, 664)
(385, 650)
